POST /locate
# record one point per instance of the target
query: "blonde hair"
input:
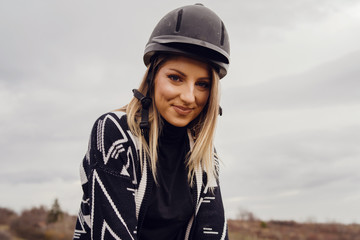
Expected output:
(202, 128)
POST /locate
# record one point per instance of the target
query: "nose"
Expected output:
(188, 94)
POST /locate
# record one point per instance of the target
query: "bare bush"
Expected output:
(6, 216)
(5, 236)
(31, 224)
(62, 229)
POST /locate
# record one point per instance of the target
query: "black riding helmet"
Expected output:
(194, 31)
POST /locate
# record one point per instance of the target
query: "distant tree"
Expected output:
(55, 214)
(246, 215)
(6, 216)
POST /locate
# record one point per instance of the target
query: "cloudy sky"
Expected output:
(289, 137)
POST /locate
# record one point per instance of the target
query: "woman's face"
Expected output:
(182, 88)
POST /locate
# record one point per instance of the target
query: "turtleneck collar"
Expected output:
(172, 133)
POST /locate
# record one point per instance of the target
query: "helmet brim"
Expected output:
(200, 50)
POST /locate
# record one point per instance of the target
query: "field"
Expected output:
(290, 230)
(40, 223)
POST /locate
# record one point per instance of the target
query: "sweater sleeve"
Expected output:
(107, 209)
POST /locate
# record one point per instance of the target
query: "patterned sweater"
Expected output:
(116, 189)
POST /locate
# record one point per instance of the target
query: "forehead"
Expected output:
(186, 64)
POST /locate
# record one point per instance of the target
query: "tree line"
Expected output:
(37, 223)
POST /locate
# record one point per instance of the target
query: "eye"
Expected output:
(203, 84)
(174, 77)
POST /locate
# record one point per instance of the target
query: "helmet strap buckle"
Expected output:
(145, 104)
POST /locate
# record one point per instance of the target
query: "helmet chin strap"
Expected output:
(145, 104)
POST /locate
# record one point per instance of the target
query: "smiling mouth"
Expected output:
(182, 110)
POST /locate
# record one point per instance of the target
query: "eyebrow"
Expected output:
(184, 75)
(179, 72)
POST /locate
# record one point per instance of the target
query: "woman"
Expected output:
(151, 171)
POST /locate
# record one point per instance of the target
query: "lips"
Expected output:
(182, 110)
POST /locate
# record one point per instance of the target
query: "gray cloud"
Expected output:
(297, 169)
(331, 83)
(36, 176)
(256, 20)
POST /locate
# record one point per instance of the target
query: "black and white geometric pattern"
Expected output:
(115, 190)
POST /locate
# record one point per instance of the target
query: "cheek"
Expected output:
(163, 92)
(203, 99)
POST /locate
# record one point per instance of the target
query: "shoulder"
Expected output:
(112, 127)
(111, 135)
(115, 118)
